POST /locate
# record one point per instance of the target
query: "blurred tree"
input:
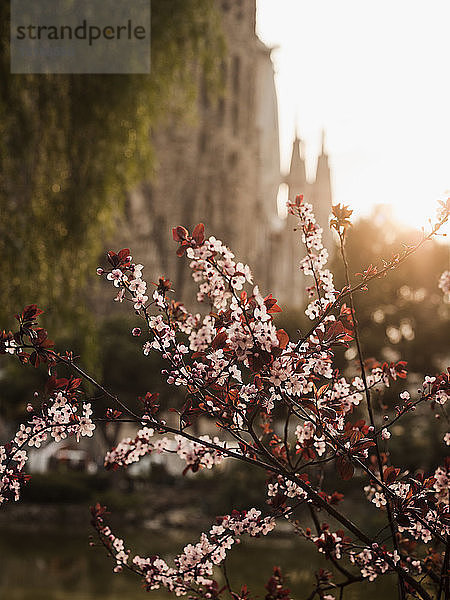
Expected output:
(403, 314)
(70, 145)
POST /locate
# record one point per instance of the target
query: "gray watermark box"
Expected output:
(80, 36)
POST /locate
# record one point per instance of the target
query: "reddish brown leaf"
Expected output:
(219, 341)
(403, 520)
(112, 258)
(344, 467)
(390, 474)
(283, 338)
(123, 255)
(31, 311)
(355, 436)
(179, 233)
(199, 233)
(271, 305)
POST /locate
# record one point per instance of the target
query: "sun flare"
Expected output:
(384, 107)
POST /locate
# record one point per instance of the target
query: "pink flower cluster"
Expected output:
(196, 454)
(285, 487)
(195, 565)
(63, 415)
(374, 561)
(316, 259)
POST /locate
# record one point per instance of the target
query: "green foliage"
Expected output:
(71, 145)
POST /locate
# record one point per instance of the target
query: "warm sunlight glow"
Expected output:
(375, 76)
(282, 198)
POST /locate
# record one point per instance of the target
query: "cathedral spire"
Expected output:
(322, 184)
(296, 179)
(323, 169)
(323, 142)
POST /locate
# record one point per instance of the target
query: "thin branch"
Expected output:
(392, 525)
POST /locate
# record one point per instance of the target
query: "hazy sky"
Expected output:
(376, 76)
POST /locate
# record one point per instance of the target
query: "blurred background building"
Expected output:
(223, 169)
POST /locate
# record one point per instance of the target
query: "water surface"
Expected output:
(58, 564)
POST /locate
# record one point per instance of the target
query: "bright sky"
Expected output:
(376, 76)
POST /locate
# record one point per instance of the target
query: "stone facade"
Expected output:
(224, 170)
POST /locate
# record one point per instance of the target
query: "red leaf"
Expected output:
(34, 359)
(283, 338)
(47, 344)
(328, 412)
(355, 436)
(390, 474)
(179, 233)
(74, 383)
(258, 382)
(219, 341)
(401, 369)
(271, 305)
(274, 309)
(363, 445)
(403, 520)
(51, 385)
(199, 233)
(31, 311)
(344, 467)
(123, 255)
(258, 360)
(428, 483)
(112, 258)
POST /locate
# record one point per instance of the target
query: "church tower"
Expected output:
(321, 196)
(297, 184)
(296, 178)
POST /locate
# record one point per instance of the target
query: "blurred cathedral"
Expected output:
(224, 170)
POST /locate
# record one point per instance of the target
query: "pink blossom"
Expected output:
(139, 301)
(116, 276)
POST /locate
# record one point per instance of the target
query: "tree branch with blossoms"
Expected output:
(241, 372)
